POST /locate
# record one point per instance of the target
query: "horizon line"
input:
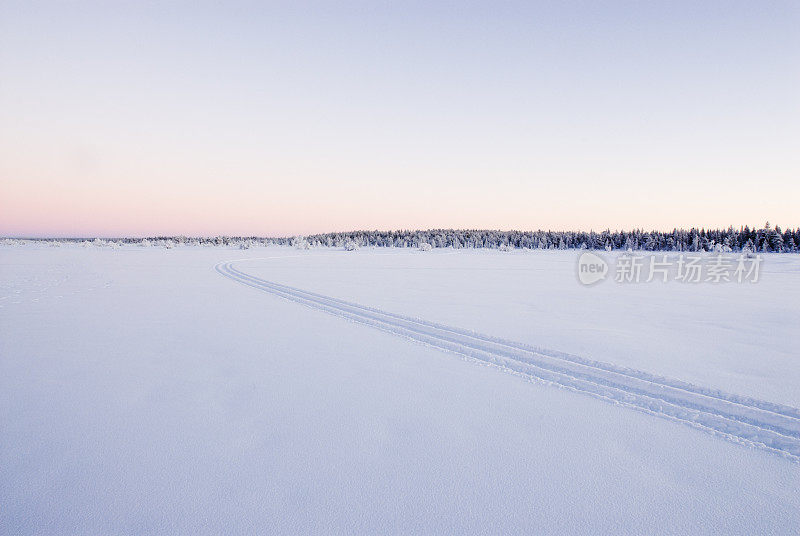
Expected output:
(767, 225)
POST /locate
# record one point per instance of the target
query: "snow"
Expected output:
(741, 338)
(141, 391)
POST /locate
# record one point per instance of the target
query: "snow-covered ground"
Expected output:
(145, 391)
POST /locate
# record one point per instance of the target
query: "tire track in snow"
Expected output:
(741, 419)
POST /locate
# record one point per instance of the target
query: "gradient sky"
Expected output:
(245, 118)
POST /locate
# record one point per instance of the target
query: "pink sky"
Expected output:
(263, 120)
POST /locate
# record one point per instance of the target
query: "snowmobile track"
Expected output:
(753, 422)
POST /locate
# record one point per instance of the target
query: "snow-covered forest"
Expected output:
(766, 239)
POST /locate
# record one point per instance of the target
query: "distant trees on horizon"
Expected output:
(767, 239)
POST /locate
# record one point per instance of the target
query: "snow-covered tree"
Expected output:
(300, 242)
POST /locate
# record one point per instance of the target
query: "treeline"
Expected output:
(767, 239)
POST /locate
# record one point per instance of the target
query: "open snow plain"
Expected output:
(153, 391)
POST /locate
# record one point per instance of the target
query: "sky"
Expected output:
(277, 119)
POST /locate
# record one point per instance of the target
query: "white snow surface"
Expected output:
(143, 391)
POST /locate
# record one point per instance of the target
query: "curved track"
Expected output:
(769, 426)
